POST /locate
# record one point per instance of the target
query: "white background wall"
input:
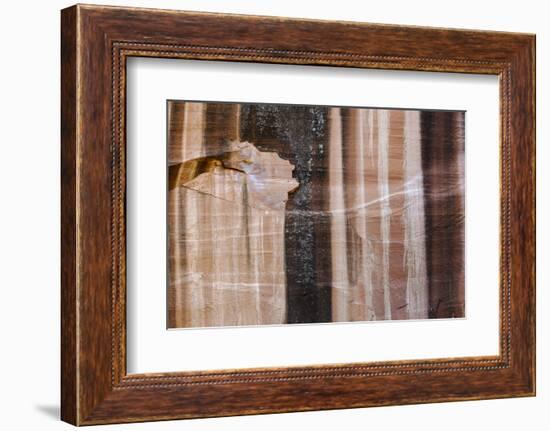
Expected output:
(29, 214)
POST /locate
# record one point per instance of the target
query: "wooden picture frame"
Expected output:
(96, 41)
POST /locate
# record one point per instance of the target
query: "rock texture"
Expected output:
(302, 214)
(228, 212)
(242, 174)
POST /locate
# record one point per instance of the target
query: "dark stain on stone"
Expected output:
(298, 134)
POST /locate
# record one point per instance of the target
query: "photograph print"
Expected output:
(284, 214)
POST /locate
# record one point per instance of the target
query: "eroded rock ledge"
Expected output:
(242, 174)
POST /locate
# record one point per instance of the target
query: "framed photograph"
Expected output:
(264, 215)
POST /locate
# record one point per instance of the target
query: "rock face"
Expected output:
(232, 230)
(242, 174)
(377, 216)
(305, 214)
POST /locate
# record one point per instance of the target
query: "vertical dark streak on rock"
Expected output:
(442, 155)
(298, 134)
(428, 137)
(221, 126)
(459, 127)
(322, 226)
(455, 210)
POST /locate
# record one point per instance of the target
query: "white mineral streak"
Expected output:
(377, 215)
(233, 240)
(337, 206)
(413, 220)
(359, 248)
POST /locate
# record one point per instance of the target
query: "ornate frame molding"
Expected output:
(96, 41)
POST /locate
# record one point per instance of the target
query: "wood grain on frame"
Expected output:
(96, 41)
